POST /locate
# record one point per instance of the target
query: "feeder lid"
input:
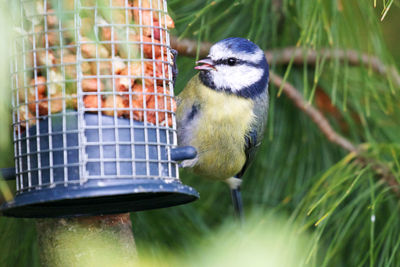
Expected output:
(99, 197)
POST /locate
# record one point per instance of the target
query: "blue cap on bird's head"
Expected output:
(239, 45)
(237, 66)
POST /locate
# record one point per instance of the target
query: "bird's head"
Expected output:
(235, 65)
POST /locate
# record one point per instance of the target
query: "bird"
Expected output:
(222, 112)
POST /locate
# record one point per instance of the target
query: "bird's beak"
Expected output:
(207, 62)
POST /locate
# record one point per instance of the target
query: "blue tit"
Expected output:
(223, 110)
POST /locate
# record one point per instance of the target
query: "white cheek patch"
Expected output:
(236, 77)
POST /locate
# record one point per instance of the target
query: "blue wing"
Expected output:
(250, 149)
(254, 137)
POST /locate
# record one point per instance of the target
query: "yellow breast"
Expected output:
(219, 132)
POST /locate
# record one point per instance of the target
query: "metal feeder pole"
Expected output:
(87, 241)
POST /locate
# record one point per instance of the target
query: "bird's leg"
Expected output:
(234, 184)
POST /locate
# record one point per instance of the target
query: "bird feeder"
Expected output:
(93, 109)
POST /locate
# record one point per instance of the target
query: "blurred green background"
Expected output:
(391, 32)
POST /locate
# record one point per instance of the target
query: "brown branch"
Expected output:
(283, 56)
(352, 57)
(323, 124)
(188, 47)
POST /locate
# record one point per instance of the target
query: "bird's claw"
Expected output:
(188, 163)
(174, 65)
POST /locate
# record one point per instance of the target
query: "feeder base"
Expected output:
(99, 197)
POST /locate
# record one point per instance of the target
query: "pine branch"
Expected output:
(352, 57)
(381, 170)
(319, 119)
(188, 47)
(283, 56)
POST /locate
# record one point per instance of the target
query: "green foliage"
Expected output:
(387, 4)
(5, 107)
(18, 239)
(349, 212)
(4, 77)
(343, 204)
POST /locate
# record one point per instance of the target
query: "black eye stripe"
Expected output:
(224, 61)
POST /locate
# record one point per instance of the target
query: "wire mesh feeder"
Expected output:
(94, 124)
